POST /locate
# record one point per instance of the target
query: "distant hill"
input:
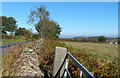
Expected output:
(90, 39)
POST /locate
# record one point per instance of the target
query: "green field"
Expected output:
(8, 41)
(100, 49)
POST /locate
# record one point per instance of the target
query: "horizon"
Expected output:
(89, 36)
(75, 18)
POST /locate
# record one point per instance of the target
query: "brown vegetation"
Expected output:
(95, 64)
(9, 59)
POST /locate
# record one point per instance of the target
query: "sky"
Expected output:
(75, 18)
(60, 0)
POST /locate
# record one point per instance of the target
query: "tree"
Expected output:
(39, 14)
(49, 30)
(23, 32)
(8, 24)
(101, 39)
(44, 26)
(35, 36)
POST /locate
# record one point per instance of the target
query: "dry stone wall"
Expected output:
(28, 64)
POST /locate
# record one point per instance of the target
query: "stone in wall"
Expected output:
(28, 64)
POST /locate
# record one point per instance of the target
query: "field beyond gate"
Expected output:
(103, 48)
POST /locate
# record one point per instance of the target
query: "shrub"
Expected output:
(102, 39)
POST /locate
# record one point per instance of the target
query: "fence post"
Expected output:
(60, 56)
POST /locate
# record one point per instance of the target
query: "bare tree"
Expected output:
(40, 14)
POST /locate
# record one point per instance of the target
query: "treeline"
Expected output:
(86, 39)
(10, 30)
(45, 27)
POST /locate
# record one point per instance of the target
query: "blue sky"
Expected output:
(75, 18)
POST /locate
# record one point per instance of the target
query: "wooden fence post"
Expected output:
(60, 54)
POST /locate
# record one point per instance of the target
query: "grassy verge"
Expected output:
(95, 64)
(9, 60)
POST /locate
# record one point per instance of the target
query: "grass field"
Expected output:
(101, 49)
(8, 41)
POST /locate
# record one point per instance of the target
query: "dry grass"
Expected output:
(102, 48)
(9, 59)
